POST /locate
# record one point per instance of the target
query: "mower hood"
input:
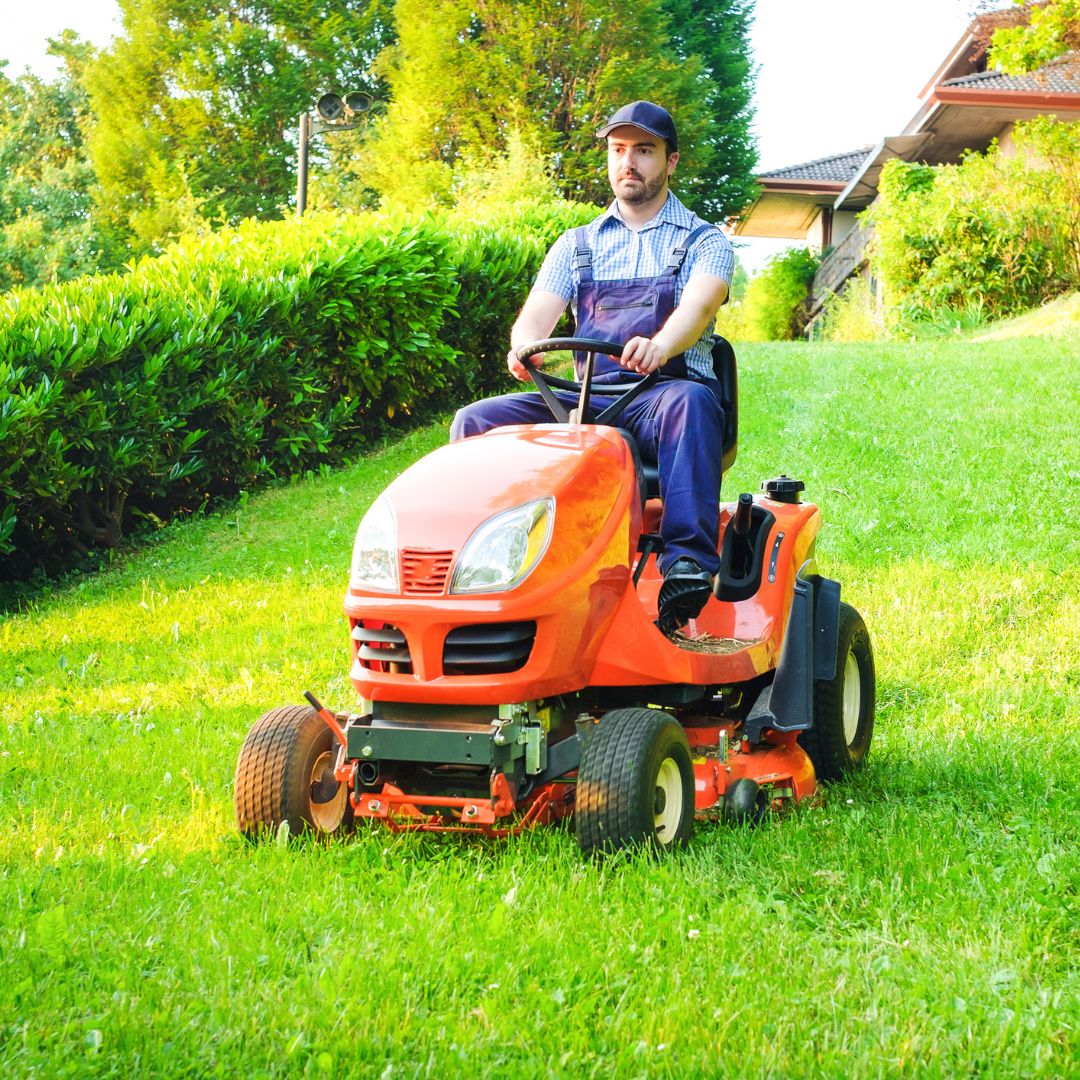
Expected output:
(586, 472)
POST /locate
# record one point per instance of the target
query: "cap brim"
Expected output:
(604, 132)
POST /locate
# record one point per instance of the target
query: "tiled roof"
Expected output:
(837, 167)
(1053, 79)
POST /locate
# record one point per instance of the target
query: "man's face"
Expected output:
(638, 164)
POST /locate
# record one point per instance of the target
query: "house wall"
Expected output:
(843, 221)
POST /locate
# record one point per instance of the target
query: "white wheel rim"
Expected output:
(852, 698)
(326, 816)
(668, 805)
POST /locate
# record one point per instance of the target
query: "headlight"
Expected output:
(505, 549)
(375, 560)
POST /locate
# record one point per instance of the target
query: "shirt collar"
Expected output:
(672, 213)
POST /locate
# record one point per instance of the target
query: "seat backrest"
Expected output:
(727, 375)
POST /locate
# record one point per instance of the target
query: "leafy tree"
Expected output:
(1039, 34)
(724, 155)
(45, 175)
(463, 77)
(195, 105)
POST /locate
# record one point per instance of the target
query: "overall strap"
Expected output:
(678, 255)
(582, 255)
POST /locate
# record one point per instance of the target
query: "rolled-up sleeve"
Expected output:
(556, 274)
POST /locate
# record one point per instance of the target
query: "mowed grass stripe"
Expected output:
(921, 918)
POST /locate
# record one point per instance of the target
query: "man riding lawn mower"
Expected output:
(518, 597)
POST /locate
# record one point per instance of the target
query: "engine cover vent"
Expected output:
(488, 648)
(381, 647)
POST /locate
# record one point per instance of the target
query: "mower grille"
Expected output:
(425, 572)
(382, 648)
(488, 649)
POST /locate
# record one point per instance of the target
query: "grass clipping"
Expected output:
(707, 643)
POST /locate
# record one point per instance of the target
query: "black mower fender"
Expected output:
(826, 620)
(807, 654)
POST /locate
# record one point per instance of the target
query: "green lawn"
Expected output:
(921, 919)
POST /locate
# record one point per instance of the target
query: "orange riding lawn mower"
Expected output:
(501, 609)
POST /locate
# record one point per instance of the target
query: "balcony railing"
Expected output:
(844, 260)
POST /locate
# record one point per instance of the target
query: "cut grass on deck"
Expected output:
(921, 919)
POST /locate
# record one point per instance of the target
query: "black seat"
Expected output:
(728, 376)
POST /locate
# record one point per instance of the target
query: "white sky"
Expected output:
(835, 74)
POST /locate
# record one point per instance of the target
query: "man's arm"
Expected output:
(537, 319)
(701, 299)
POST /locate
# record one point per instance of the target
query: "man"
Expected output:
(649, 273)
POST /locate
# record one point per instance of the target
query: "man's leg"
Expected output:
(484, 415)
(680, 424)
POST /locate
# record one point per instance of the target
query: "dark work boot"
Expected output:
(683, 594)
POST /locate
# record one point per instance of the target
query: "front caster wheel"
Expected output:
(745, 802)
(635, 784)
(844, 705)
(285, 772)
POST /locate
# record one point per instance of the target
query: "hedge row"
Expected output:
(253, 353)
(991, 237)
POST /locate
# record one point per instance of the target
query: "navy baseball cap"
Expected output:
(647, 116)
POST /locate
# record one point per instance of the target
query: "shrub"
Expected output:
(994, 235)
(775, 305)
(255, 352)
(730, 322)
(852, 314)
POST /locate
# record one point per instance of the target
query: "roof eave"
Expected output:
(954, 54)
(1042, 99)
(787, 186)
(901, 146)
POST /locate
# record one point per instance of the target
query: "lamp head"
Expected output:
(356, 101)
(330, 107)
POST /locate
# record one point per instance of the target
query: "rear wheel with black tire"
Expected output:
(285, 772)
(844, 705)
(635, 784)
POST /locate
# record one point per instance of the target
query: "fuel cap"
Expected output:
(783, 488)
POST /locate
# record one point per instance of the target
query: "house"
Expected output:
(964, 107)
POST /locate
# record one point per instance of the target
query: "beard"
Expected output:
(644, 191)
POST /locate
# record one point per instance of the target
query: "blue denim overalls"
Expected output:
(678, 423)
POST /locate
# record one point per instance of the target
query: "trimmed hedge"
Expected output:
(253, 353)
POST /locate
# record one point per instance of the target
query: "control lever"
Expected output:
(740, 522)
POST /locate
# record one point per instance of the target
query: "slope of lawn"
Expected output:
(1057, 318)
(921, 918)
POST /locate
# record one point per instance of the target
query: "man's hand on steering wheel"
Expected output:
(517, 366)
(643, 355)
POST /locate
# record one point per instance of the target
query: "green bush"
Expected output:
(852, 314)
(492, 290)
(774, 307)
(257, 352)
(994, 235)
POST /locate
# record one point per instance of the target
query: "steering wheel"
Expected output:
(590, 346)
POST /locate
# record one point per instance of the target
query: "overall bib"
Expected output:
(677, 423)
(623, 308)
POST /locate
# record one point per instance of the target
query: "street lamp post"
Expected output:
(302, 165)
(336, 113)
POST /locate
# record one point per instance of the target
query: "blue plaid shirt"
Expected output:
(620, 252)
